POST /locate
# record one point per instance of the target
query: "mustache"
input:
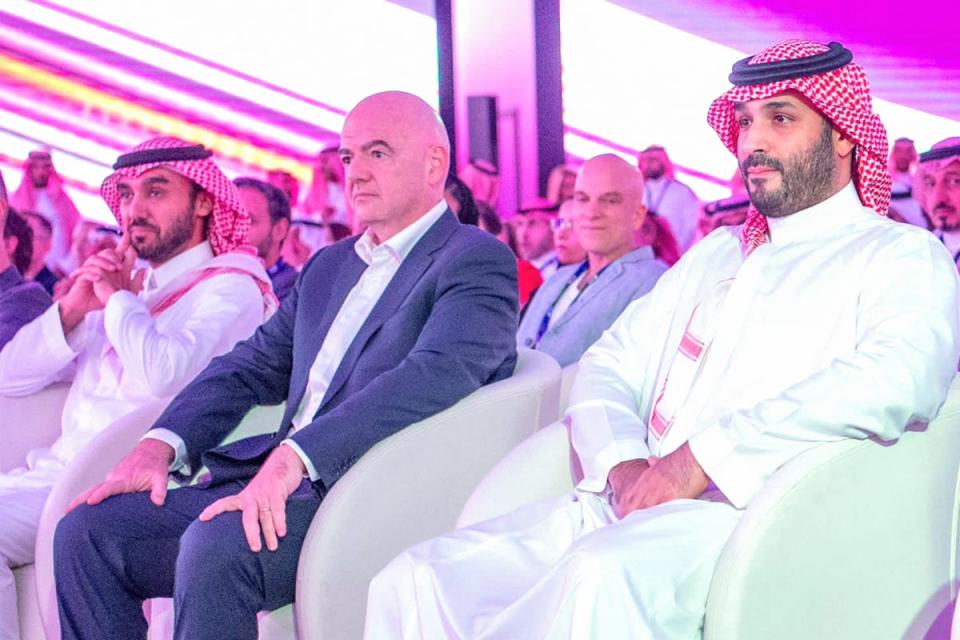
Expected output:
(761, 160)
(142, 222)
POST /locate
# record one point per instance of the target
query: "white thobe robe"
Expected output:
(678, 204)
(119, 359)
(844, 325)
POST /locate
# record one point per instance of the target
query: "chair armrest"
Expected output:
(92, 465)
(566, 384)
(89, 467)
(410, 487)
(851, 539)
(30, 422)
(538, 468)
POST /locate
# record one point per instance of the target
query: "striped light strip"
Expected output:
(150, 119)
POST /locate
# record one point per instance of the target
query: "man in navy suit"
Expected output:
(372, 338)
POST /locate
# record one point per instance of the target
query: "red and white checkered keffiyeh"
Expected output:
(842, 96)
(229, 223)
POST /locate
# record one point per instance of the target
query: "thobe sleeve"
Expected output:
(899, 373)
(607, 398)
(226, 309)
(40, 354)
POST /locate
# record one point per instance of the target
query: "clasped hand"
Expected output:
(640, 484)
(111, 270)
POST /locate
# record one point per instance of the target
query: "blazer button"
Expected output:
(528, 342)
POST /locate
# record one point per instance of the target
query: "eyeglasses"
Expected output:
(561, 224)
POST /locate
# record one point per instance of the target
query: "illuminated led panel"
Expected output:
(634, 81)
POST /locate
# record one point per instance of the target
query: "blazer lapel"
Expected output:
(403, 281)
(593, 290)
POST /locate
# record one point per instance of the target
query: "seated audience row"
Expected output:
(677, 418)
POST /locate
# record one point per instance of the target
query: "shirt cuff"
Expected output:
(311, 470)
(175, 441)
(715, 451)
(118, 306)
(59, 346)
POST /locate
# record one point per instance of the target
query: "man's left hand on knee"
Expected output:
(263, 501)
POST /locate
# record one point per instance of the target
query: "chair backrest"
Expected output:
(410, 487)
(30, 422)
(853, 539)
(534, 470)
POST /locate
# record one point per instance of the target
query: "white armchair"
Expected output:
(29, 422)
(407, 488)
(853, 539)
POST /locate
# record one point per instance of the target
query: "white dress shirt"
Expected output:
(382, 261)
(122, 357)
(844, 325)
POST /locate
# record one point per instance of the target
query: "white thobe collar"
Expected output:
(840, 209)
(401, 244)
(188, 260)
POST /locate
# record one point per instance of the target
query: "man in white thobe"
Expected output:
(667, 197)
(125, 340)
(814, 321)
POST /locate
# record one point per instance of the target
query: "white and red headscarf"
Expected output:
(229, 224)
(25, 197)
(943, 153)
(840, 93)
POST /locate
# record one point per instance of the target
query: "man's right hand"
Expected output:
(79, 300)
(146, 468)
(623, 479)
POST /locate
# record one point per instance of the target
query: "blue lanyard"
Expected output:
(545, 321)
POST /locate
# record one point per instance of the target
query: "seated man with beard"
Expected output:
(128, 338)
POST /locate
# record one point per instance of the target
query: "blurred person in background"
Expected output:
(560, 183)
(666, 196)
(902, 166)
(483, 180)
(460, 200)
(937, 185)
(20, 301)
(40, 270)
(269, 212)
(326, 200)
(42, 190)
(528, 276)
(534, 227)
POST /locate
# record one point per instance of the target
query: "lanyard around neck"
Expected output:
(545, 321)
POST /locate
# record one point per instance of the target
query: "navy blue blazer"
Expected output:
(443, 327)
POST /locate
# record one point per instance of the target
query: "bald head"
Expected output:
(396, 155)
(408, 112)
(609, 206)
(616, 174)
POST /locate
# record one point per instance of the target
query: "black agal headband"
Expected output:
(746, 74)
(173, 154)
(940, 154)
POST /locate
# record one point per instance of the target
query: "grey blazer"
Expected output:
(594, 311)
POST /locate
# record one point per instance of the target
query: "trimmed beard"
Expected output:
(806, 180)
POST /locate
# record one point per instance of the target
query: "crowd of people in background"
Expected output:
(289, 227)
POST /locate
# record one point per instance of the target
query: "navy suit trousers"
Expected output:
(112, 557)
